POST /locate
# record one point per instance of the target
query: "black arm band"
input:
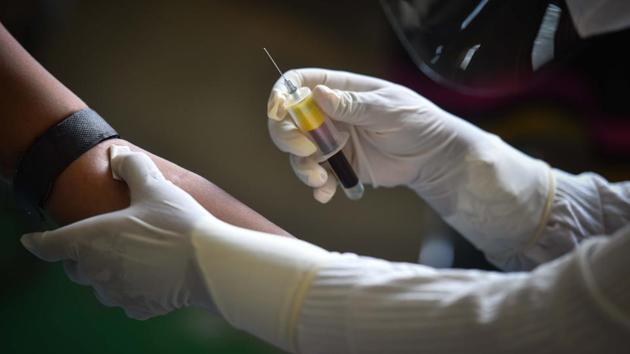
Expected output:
(52, 152)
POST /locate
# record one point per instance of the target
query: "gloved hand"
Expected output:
(165, 251)
(384, 139)
(140, 258)
(490, 192)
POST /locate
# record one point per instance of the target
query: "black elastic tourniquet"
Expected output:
(52, 152)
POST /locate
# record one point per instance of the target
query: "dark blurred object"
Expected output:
(485, 47)
(573, 104)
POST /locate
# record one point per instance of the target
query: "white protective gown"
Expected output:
(576, 301)
(304, 299)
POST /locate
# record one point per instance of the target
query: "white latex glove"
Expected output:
(490, 192)
(375, 112)
(140, 258)
(165, 251)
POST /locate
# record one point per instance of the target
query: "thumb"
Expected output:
(135, 168)
(344, 106)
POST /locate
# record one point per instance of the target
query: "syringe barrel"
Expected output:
(312, 121)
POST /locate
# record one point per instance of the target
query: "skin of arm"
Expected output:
(32, 101)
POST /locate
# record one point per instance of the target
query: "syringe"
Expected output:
(312, 121)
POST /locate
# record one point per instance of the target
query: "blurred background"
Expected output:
(188, 80)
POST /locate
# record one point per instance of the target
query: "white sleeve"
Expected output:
(305, 299)
(583, 206)
(576, 304)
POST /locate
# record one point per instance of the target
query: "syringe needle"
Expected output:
(273, 62)
(290, 86)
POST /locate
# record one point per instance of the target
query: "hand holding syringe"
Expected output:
(312, 121)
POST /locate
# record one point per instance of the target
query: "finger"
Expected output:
(348, 106)
(312, 77)
(288, 138)
(341, 80)
(49, 246)
(308, 171)
(135, 168)
(327, 191)
(138, 314)
(102, 297)
(74, 273)
(54, 245)
(62, 243)
(276, 105)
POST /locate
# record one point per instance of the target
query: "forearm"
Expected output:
(32, 100)
(86, 188)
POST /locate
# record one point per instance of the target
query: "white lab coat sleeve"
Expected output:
(578, 303)
(583, 205)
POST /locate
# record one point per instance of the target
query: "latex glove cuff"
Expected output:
(497, 197)
(257, 281)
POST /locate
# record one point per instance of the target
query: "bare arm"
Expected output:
(32, 100)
